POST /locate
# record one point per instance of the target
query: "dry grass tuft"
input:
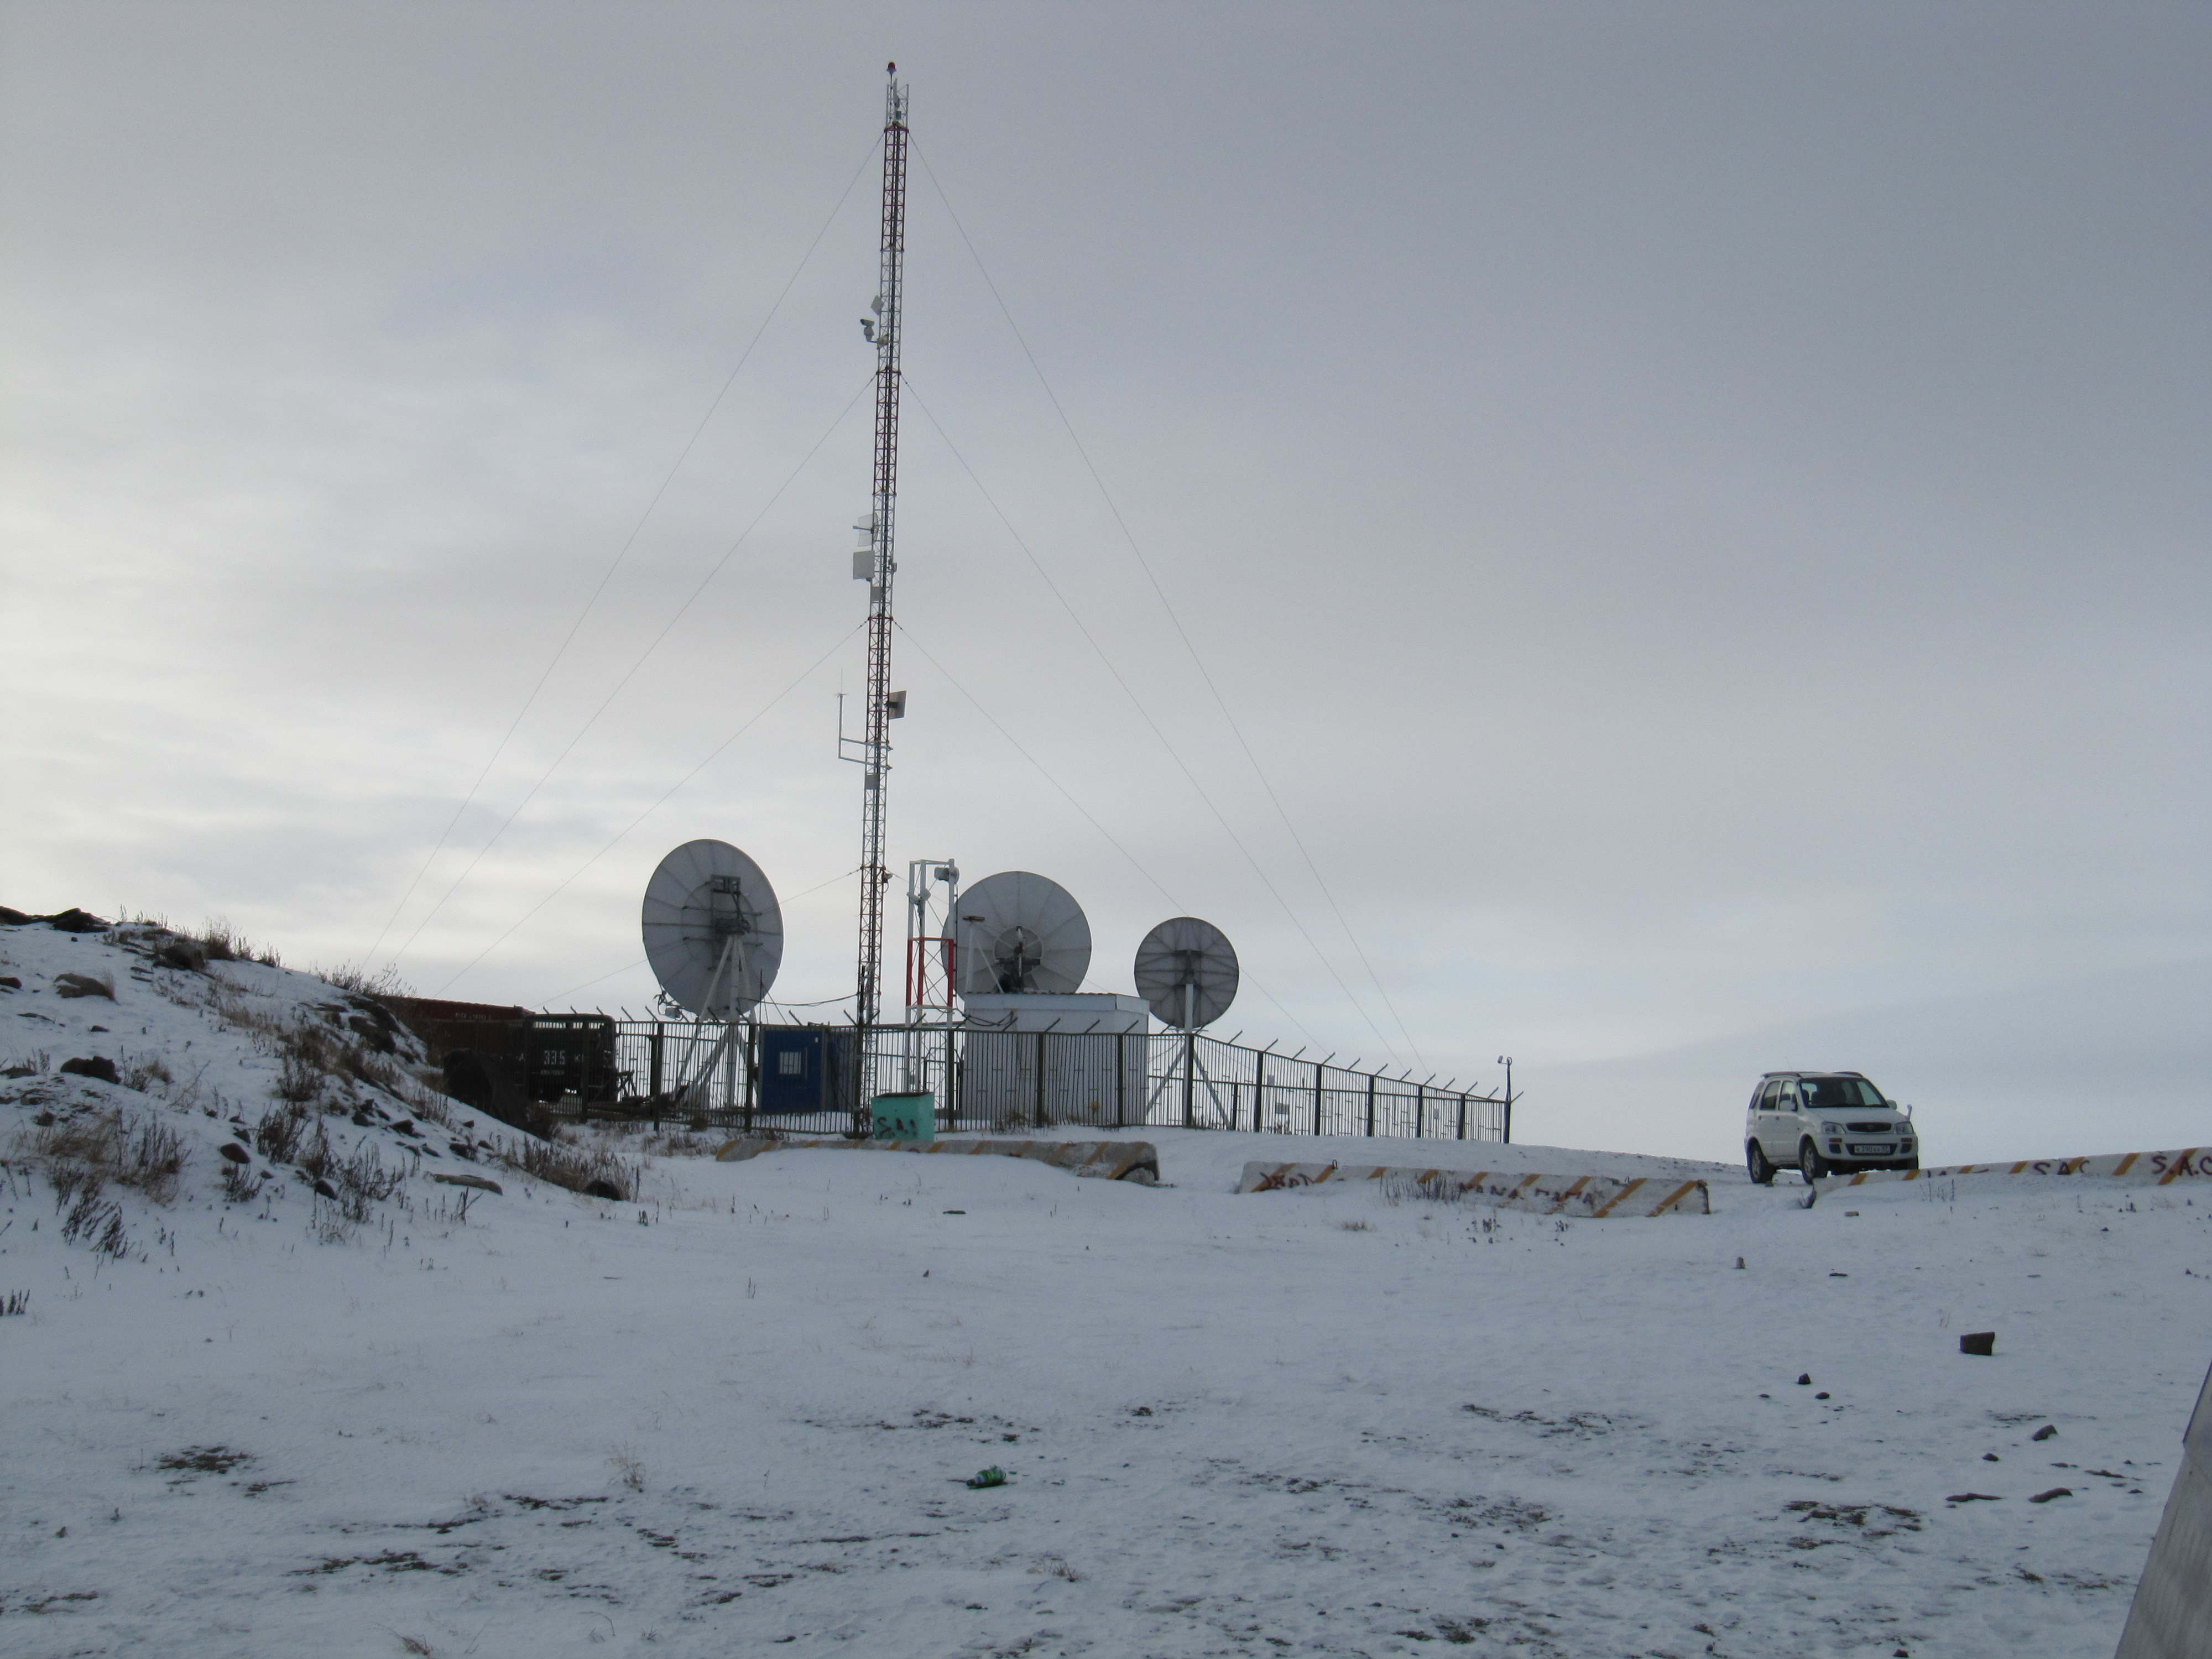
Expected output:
(224, 942)
(592, 1171)
(84, 1153)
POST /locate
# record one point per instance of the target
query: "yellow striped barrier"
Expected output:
(1592, 1197)
(2130, 1168)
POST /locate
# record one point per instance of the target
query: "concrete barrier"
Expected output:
(2129, 1168)
(1592, 1197)
(2171, 1616)
(1104, 1160)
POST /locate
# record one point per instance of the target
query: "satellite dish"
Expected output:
(1187, 969)
(1018, 932)
(714, 932)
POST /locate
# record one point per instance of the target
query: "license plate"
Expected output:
(1869, 1149)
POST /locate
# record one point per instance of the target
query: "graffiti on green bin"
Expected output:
(903, 1117)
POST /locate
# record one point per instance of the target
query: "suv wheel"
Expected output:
(1810, 1163)
(1755, 1159)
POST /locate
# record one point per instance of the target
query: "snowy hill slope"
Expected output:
(738, 1409)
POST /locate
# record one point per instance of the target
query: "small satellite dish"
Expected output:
(1187, 969)
(714, 932)
(1018, 932)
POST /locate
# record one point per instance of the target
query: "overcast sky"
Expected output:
(1697, 513)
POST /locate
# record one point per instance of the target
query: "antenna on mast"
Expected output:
(883, 328)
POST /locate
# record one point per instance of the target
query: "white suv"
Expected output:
(1825, 1123)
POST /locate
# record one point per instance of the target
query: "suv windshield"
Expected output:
(1837, 1094)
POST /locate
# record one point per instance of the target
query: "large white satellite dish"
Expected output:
(1019, 931)
(1187, 970)
(714, 932)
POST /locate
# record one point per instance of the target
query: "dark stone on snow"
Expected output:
(602, 1189)
(234, 1152)
(377, 1037)
(21, 1071)
(81, 985)
(1983, 1343)
(97, 1065)
(405, 1127)
(73, 920)
(2047, 1431)
(324, 1189)
(2056, 1491)
(188, 955)
(1804, 1379)
(8, 982)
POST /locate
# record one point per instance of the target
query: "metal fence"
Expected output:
(992, 1081)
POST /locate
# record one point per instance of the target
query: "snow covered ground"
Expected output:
(740, 1411)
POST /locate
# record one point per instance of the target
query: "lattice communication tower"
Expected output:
(886, 330)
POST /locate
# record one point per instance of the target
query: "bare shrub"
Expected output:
(309, 1057)
(629, 1468)
(360, 1182)
(279, 1131)
(356, 978)
(314, 1156)
(16, 1302)
(239, 1183)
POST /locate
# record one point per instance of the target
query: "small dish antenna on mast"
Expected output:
(1187, 969)
(714, 932)
(1019, 931)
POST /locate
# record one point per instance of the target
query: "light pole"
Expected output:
(1506, 1061)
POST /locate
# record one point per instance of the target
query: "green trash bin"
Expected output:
(903, 1117)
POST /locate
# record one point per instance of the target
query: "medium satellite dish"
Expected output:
(1187, 969)
(714, 932)
(1018, 932)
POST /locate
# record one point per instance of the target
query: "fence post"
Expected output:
(1318, 1066)
(1463, 1118)
(1420, 1109)
(1121, 1054)
(752, 1072)
(652, 1085)
(1190, 1077)
(1370, 1105)
(1038, 1118)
